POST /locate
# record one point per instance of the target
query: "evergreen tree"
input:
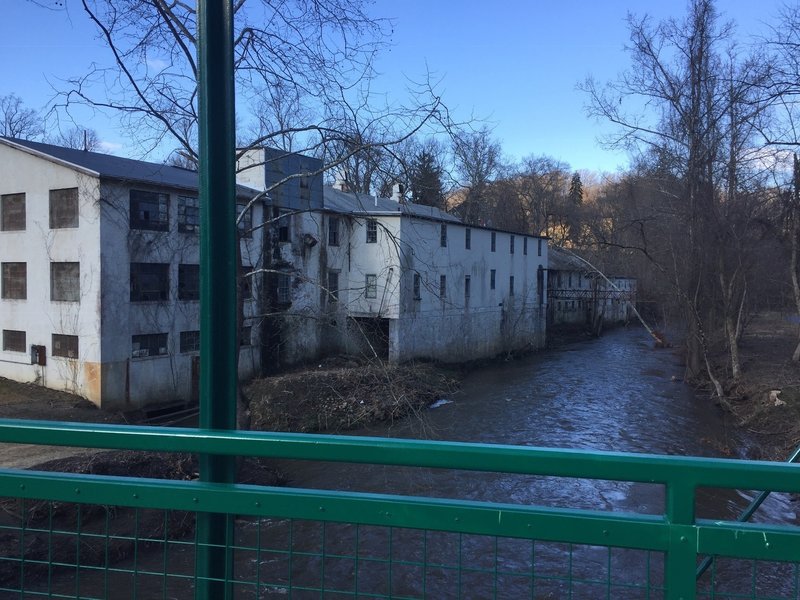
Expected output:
(576, 190)
(426, 180)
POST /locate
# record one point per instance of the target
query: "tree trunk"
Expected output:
(795, 233)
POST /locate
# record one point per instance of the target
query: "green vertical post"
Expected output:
(218, 335)
(681, 559)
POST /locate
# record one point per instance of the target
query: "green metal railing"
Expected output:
(670, 545)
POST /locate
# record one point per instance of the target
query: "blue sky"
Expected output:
(514, 63)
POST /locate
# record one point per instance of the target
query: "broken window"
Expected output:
(188, 282)
(188, 214)
(12, 212)
(149, 282)
(190, 341)
(492, 279)
(65, 281)
(417, 287)
(442, 286)
(372, 231)
(148, 344)
(282, 223)
(468, 238)
(15, 281)
(333, 231)
(149, 210)
(14, 341)
(63, 208)
(65, 346)
(371, 286)
(443, 235)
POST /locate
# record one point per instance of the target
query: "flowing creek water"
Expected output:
(614, 393)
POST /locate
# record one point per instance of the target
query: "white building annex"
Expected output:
(579, 295)
(359, 274)
(99, 257)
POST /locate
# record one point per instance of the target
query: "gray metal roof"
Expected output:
(559, 259)
(363, 204)
(122, 169)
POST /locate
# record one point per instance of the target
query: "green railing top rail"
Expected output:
(684, 472)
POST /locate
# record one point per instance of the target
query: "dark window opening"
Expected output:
(149, 282)
(244, 217)
(468, 238)
(149, 210)
(12, 212)
(417, 287)
(442, 286)
(188, 214)
(492, 279)
(372, 231)
(525, 246)
(284, 288)
(188, 282)
(15, 281)
(467, 282)
(333, 286)
(148, 344)
(511, 286)
(190, 341)
(246, 336)
(494, 241)
(511, 244)
(333, 231)
(443, 236)
(371, 286)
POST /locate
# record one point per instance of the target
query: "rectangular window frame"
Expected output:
(372, 231)
(494, 242)
(188, 282)
(244, 224)
(149, 282)
(467, 288)
(190, 341)
(188, 214)
(525, 246)
(468, 239)
(65, 346)
(539, 248)
(65, 281)
(511, 244)
(371, 286)
(417, 286)
(14, 340)
(443, 235)
(333, 231)
(246, 336)
(149, 211)
(14, 284)
(64, 212)
(283, 289)
(493, 279)
(511, 285)
(149, 345)
(12, 212)
(442, 286)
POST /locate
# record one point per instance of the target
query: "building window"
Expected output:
(244, 218)
(333, 286)
(188, 282)
(284, 287)
(511, 286)
(65, 281)
(148, 344)
(372, 231)
(246, 336)
(63, 208)
(188, 214)
(12, 212)
(443, 235)
(467, 290)
(442, 286)
(333, 231)
(539, 249)
(282, 220)
(494, 241)
(149, 282)
(190, 341)
(371, 286)
(525, 246)
(569, 279)
(492, 279)
(149, 210)
(14, 341)
(65, 346)
(417, 287)
(15, 281)
(511, 244)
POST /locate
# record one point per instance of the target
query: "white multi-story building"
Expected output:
(100, 275)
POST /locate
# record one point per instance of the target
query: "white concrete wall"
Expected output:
(38, 245)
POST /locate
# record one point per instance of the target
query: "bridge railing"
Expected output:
(78, 536)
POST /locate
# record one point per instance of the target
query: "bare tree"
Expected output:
(79, 138)
(16, 121)
(478, 161)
